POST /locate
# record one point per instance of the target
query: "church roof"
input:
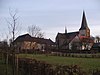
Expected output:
(72, 34)
(86, 39)
(84, 22)
(68, 36)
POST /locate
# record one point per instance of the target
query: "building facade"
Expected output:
(26, 43)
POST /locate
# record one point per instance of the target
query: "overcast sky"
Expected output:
(51, 15)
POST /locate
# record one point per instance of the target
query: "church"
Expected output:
(79, 40)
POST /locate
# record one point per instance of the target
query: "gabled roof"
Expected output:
(71, 35)
(84, 22)
(68, 36)
(27, 37)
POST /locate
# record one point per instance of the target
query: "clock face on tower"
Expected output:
(88, 32)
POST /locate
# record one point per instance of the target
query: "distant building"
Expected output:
(96, 47)
(27, 42)
(79, 40)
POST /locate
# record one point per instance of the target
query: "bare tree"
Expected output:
(13, 24)
(13, 27)
(35, 31)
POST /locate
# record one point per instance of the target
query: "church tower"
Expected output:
(84, 30)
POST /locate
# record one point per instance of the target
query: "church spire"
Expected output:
(84, 22)
(84, 30)
(65, 30)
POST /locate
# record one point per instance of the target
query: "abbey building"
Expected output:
(79, 40)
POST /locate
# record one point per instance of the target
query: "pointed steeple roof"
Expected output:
(84, 22)
(65, 30)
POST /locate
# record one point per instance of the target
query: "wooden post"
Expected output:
(17, 71)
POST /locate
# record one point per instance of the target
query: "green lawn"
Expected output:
(85, 63)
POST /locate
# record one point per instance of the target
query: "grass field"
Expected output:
(85, 63)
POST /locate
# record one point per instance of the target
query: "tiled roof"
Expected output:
(27, 37)
(86, 39)
(71, 35)
(68, 36)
